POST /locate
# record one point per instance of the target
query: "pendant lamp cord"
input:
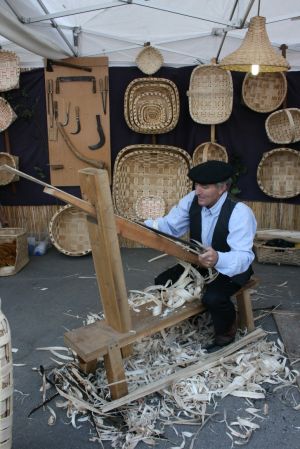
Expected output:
(258, 9)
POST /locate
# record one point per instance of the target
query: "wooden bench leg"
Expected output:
(87, 367)
(245, 313)
(115, 372)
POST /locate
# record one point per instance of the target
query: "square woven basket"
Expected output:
(13, 250)
(276, 255)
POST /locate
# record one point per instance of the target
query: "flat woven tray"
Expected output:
(210, 94)
(209, 151)
(9, 70)
(264, 92)
(7, 115)
(284, 126)
(151, 105)
(68, 231)
(278, 173)
(147, 171)
(149, 60)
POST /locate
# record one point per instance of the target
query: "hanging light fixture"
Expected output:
(256, 53)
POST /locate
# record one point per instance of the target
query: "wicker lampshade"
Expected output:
(256, 49)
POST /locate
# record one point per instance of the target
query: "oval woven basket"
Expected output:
(278, 173)
(9, 70)
(7, 115)
(210, 94)
(147, 171)
(151, 105)
(264, 92)
(68, 231)
(12, 161)
(209, 151)
(284, 126)
(149, 60)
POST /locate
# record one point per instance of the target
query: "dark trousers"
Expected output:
(217, 300)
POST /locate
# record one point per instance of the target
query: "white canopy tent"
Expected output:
(186, 32)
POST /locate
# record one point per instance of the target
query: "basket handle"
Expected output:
(292, 125)
(205, 151)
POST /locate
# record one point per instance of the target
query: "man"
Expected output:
(226, 228)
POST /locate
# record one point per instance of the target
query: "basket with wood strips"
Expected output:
(9, 70)
(209, 151)
(6, 384)
(278, 173)
(152, 206)
(7, 114)
(68, 231)
(210, 94)
(12, 161)
(13, 250)
(151, 105)
(283, 126)
(276, 255)
(149, 171)
(149, 60)
(264, 92)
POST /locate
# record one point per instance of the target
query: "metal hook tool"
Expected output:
(67, 115)
(77, 118)
(104, 92)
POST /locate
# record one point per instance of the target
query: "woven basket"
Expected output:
(147, 171)
(9, 70)
(7, 115)
(13, 251)
(210, 94)
(6, 384)
(68, 231)
(278, 173)
(264, 92)
(5, 176)
(209, 151)
(276, 255)
(151, 105)
(284, 126)
(149, 60)
(150, 207)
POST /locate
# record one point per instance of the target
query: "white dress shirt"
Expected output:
(242, 228)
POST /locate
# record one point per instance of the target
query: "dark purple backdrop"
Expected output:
(243, 135)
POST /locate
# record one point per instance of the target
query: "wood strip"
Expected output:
(210, 361)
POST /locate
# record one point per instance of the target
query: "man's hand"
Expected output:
(209, 258)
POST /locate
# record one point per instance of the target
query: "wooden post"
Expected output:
(245, 313)
(109, 270)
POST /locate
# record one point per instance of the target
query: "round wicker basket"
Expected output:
(284, 126)
(278, 173)
(149, 60)
(7, 115)
(9, 70)
(264, 92)
(210, 94)
(68, 231)
(5, 176)
(151, 206)
(209, 151)
(151, 105)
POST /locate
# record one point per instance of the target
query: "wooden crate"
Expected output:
(13, 250)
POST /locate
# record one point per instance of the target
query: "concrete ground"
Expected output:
(54, 293)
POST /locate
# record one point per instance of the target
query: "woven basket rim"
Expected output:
(269, 126)
(266, 156)
(149, 60)
(11, 161)
(138, 88)
(7, 114)
(58, 213)
(200, 114)
(249, 100)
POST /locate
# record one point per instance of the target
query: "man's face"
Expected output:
(208, 194)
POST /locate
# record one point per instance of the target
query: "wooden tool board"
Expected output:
(64, 165)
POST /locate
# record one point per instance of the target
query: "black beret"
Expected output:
(211, 172)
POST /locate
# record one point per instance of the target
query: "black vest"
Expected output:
(219, 239)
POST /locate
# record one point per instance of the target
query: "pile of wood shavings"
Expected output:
(189, 401)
